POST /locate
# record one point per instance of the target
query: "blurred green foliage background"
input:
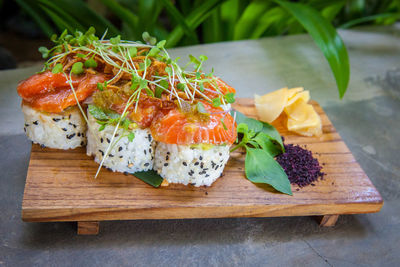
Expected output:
(189, 22)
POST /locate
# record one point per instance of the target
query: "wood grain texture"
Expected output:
(60, 187)
(88, 228)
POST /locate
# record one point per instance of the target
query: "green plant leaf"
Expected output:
(150, 177)
(124, 14)
(260, 167)
(194, 19)
(270, 130)
(37, 16)
(63, 15)
(327, 39)
(368, 19)
(249, 17)
(265, 142)
(252, 124)
(180, 19)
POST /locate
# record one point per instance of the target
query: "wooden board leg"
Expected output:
(88, 228)
(328, 220)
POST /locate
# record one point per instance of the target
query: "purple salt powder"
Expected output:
(300, 165)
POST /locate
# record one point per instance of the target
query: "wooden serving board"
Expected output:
(60, 186)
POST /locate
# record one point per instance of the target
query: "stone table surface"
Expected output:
(368, 119)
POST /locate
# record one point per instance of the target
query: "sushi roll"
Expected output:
(52, 117)
(121, 143)
(192, 146)
(132, 149)
(62, 130)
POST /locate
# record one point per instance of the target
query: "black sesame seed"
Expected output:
(190, 173)
(202, 165)
(206, 193)
(149, 136)
(145, 151)
(197, 163)
(42, 146)
(24, 129)
(207, 175)
(83, 135)
(168, 153)
(167, 158)
(216, 167)
(74, 125)
(26, 125)
(146, 164)
(64, 129)
(121, 157)
(79, 134)
(205, 169)
(165, 164)
(82, 143)
(69, 117)
(125, 173)
(200, 158)
(220, 154)
(116, 135)
(108, 140)
(70, 136)
(101, 151)
(150, 150)
(36, 122)
(111, 155)
(184, 163)
(56, 119)
(62, 117)
(120, 148)
(101, 140)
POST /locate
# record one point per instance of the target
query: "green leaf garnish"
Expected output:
(77, 68)
(132, 52)
(150, 177)
(153, 51)
(57, 68)
(97, 112)
(260, 167)
(91, 63)
(230, 98)
(262, 142)
(44, 51)
(102, 127)
(131, 136)
(216, 102)
(180, 86)
(115, 40)
(161, 44)
(149, 39)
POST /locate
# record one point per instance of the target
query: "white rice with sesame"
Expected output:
(190, 164)
(64, 130)
(125, 155)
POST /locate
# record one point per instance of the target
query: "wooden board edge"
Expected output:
(106, 214)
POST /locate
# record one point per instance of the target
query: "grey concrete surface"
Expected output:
(367, 118)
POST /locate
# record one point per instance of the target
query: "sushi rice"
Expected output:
(64, 130)
(197, 165)
(125, 155)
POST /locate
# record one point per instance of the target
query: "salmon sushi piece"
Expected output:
(52, 117)
(193, 148)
